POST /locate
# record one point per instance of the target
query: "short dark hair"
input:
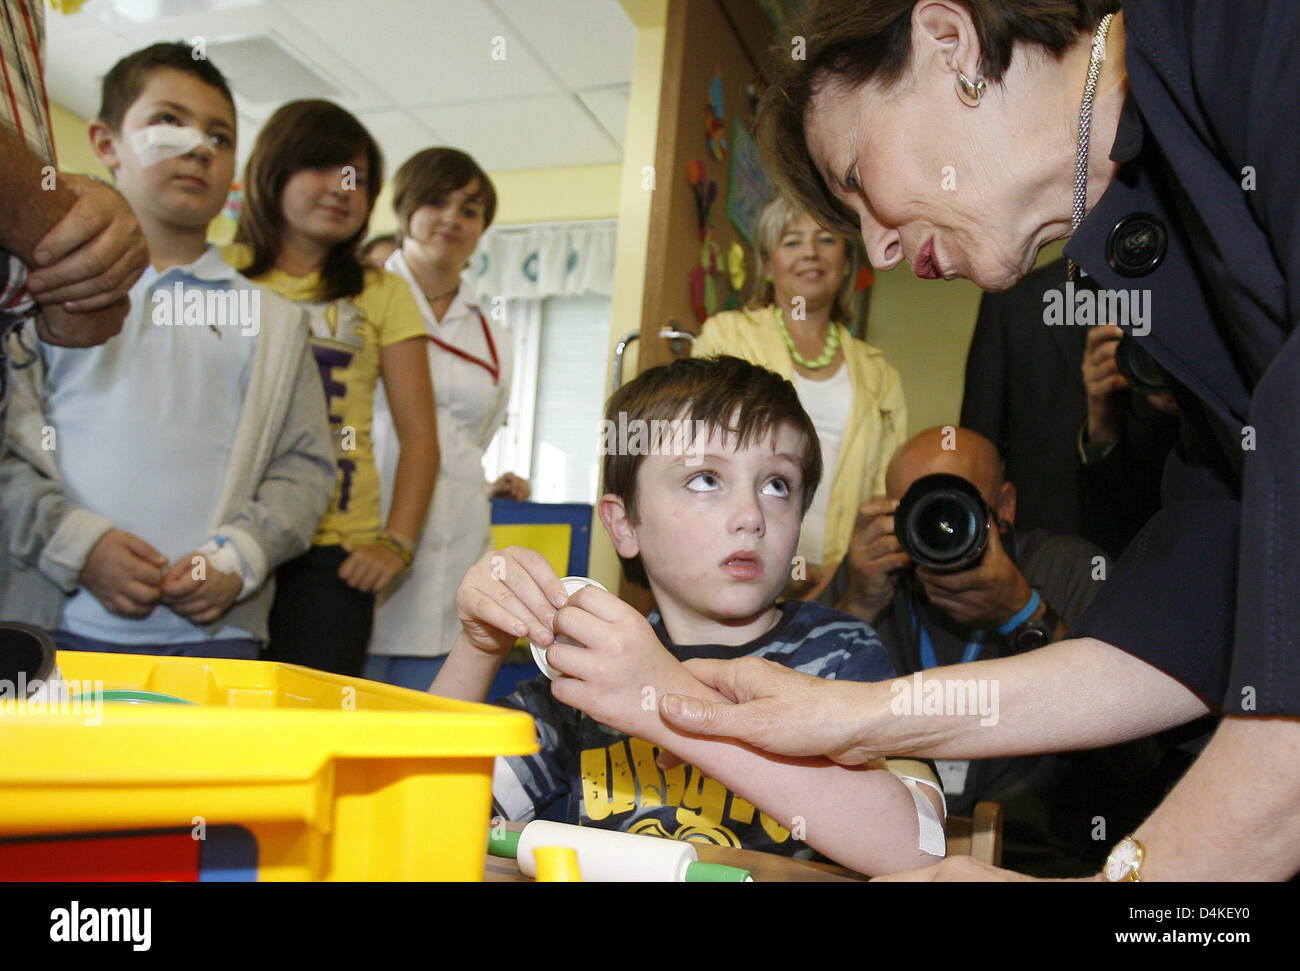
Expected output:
(433, 173)
(850, 44)
(310, 134)
(723, 392)
(126, 79)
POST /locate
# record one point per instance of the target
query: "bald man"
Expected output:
(988, 594)
(927, 619)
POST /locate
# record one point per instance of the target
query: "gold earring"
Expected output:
(970, 91)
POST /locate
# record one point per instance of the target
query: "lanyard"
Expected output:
(494, 368)
(928, 657)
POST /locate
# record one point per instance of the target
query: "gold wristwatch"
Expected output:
(1124, 865)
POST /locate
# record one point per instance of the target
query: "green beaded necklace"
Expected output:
(824, 358)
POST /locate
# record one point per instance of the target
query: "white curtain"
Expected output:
(511, 449)
(545, 260)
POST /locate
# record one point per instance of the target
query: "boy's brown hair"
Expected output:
(723, 392)
(126, 79)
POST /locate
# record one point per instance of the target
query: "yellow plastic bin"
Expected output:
(336, 778)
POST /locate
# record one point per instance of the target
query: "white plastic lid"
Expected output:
(571, 586)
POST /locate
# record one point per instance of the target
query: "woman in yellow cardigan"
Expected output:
(795, 326)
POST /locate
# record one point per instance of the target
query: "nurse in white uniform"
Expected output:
(443, 202)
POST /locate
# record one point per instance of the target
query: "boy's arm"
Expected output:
(280, 520)
(864, 818)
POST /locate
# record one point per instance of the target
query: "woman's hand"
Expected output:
(781, 711)
(510, 486)
(370, 567)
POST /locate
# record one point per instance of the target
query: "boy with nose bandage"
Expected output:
(154, 483)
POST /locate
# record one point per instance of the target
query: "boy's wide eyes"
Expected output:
(707, 482)
(702, 482)
(777, 487)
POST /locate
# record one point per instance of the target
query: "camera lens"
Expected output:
(942, 522)
(1139, 367)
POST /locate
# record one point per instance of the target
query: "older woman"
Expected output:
(443, 202)
(962, 135)
(795, 325)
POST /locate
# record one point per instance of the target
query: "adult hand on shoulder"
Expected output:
(124, 573)
(200, 595)
(93, 255)
(986, 595)
(66, 328)
(779, 710)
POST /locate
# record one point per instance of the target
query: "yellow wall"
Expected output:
(924, 329)
(535, 196)
(72, 145)
(632, 253)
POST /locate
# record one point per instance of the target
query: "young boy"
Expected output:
(709, 518)
(152, 484)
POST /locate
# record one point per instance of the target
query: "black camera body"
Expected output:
(942, 522)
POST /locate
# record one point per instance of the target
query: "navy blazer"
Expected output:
(1204, 212)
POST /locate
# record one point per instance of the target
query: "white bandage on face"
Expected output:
(156, 143)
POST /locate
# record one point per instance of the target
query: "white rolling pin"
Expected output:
(605, 855)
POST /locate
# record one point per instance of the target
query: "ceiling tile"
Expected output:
(523, 134)
(399, 136)
(588, 43)
(609, 105)
(427, 51)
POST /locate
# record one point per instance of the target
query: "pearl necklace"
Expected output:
(828, 353)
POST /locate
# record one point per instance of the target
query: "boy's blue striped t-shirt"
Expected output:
(610, 779)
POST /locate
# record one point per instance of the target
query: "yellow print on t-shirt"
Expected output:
(623, 776)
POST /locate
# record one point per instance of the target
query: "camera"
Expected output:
(1139, 367)
(942, 522)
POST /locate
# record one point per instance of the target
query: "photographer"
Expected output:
(1022, 591)
(1129, 429)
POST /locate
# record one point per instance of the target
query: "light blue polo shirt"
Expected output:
(144, 425)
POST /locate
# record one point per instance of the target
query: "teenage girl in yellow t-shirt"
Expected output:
(309, 186)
